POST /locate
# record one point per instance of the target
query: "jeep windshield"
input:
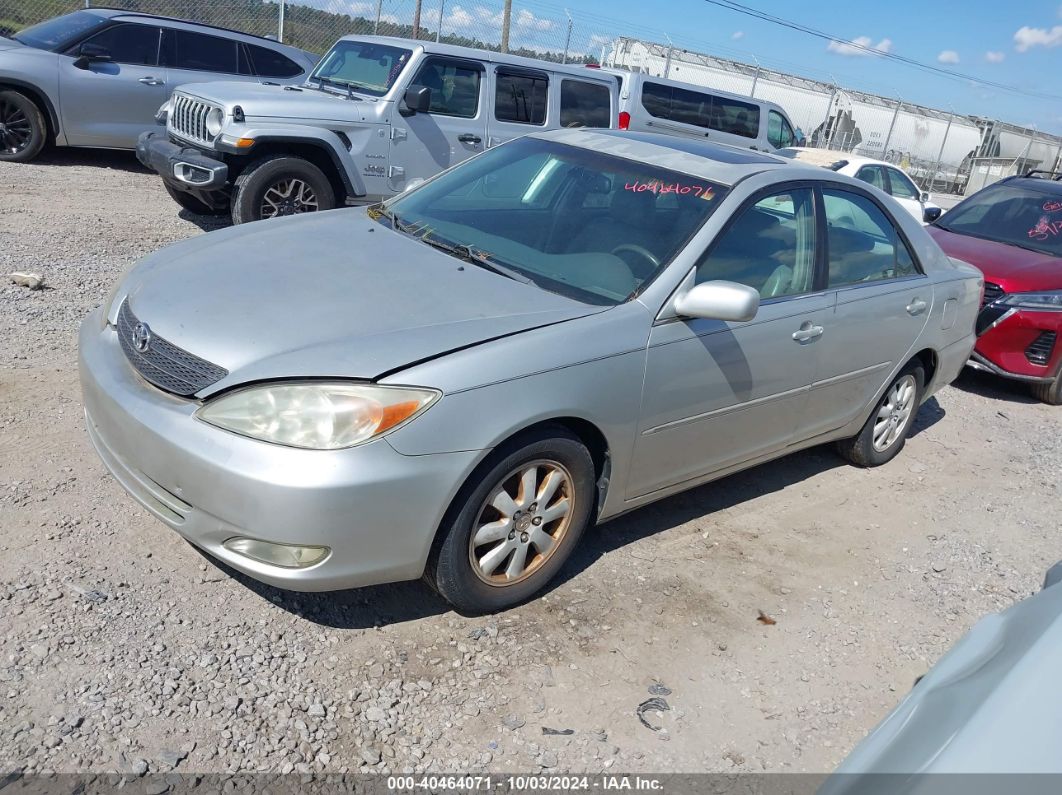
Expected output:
(1016, 215)
(361, 66)
(590, 226)
(59, 33)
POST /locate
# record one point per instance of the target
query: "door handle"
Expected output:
(916, 307)
(151, 81)
(807, 332)
(469, 138)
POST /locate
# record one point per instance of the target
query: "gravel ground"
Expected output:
(123, 649)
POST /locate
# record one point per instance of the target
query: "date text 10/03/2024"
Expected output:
(530, 783)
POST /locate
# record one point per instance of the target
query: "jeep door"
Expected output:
(454, 127)
(110, 102)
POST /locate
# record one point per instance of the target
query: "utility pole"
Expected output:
(755, 77)
(567, 38)
(416, 19)
(379, 8)
(438, 30)
(506, 17)
(280, 20)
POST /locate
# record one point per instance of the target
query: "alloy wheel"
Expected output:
(522, 522)
(894, 412)
(16, 131)
(288, 197)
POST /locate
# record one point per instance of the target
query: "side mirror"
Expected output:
(931, 214)
(719, 301)
(417, 100)
(925, 196)
(89, 53)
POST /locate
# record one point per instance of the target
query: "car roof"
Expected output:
(726, 165)
(827, 157)
(439, 48)
(126, 14)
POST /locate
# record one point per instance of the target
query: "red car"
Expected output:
(1012, 231)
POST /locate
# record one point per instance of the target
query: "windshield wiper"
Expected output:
(475, 256)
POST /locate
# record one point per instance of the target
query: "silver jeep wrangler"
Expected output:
(377, 116)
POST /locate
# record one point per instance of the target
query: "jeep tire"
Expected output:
(280, 185)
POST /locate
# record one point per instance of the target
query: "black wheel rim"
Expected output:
(16, 130)
(288, 197)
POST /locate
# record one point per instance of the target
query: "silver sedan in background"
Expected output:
(457, 382)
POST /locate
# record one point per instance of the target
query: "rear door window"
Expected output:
(270, 63)
(520, 97)
(584, 104)
(872, 175)
(183, 49)
(129, 43)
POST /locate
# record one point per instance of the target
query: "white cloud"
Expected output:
(528, 21)
(948, 56)
(994, 56)
(737, 34)
(860, 46)
(597, 40)
(1026, 38)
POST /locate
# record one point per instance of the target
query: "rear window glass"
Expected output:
(1010, 214)
(270, 63)
(520, 98)
(701, 109)
(585, 104)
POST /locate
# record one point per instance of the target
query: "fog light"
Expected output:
(289, 556)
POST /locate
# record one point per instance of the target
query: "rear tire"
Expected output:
(885, 432)
(23, 130)
(491, 558)
(1051, 392)
(192, 204)
(280, 185)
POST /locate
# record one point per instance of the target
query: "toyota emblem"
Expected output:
(141, 337)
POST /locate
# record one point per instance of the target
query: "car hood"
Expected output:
(7, 44)
(326, 295)
(991, 705)
(262, 102)
(1012, 268)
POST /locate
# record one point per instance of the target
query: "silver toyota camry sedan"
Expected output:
(454, 384)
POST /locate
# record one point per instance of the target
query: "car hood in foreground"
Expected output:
(1014, 269)
(991, 705)
(327, 295)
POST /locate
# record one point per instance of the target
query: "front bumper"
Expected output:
(183, 168)
(1021, 344)
(377, 510)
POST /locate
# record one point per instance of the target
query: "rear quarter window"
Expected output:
(585, 104)
(270, 63)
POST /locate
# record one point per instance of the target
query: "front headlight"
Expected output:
(316, 416)
(215, 118)
(163, 114)
(1047, 301)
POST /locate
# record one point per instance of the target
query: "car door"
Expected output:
(882, 301)
(905, 192)
(453, 129)
(193, 57)
(719, 393)
(110, 102)
(520, 103)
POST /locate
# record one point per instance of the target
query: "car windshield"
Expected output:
(590, 226)
(362, 66)
(58, 33)
(1010, 214)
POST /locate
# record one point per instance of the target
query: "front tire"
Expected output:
(192, 204)
(1051, 392)
(516, 523)
(23, 130)
(885, 432)
(279, 186)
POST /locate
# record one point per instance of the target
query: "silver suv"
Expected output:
(377, 116)
(97, 77)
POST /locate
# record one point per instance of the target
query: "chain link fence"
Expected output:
(943, 151)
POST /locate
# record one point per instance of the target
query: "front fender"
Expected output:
(328, 141)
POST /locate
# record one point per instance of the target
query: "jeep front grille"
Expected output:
(163, 363)
(188, 118)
